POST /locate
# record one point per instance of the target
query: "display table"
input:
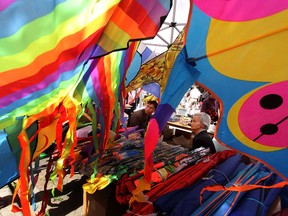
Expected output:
(124, 165)
(185, 130)
(178, 126)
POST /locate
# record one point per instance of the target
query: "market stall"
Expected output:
(63, 59)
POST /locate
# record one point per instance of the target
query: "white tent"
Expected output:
(170, 29)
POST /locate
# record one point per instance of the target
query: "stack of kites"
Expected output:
(127, 159)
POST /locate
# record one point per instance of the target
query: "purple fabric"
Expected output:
(162, 114)
(153, 88)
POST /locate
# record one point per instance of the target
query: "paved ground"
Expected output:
(69, 202)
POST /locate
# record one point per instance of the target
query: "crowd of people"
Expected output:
(206, 112)
(198, 100)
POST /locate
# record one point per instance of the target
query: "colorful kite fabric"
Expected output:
(157, 70)
(127, 157)
(202, 198)
(240, 50)
(53, 65)
(233, 47)
(181, 77)
(175, 89)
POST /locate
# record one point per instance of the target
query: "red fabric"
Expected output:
(124, 189)
(45, 198)
(23, 171)
(182, 179)
(102, 93)
(150, 142)
(59, 128)
(283, 212)
(26, 159)
(73, 126)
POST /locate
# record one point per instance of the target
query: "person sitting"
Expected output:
(199, 126)
(141, 117)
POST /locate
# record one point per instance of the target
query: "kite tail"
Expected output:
(73, 127)
(68, 147)
(25, 159)
(170, 99)
(23, 182)
(151, 137)
(155, 126)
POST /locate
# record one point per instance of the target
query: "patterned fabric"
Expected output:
(50, 76)
(234, 50)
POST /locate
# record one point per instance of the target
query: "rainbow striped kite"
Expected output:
(53, 64)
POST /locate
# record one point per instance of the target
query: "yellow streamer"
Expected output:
(97, 183)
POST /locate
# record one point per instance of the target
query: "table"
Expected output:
(178, 126)
(180, 129)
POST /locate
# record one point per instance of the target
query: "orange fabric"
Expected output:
(45, 119)
(23, 168)
(243, 188)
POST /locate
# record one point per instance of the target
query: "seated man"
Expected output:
(199, 126)
(141, 117)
